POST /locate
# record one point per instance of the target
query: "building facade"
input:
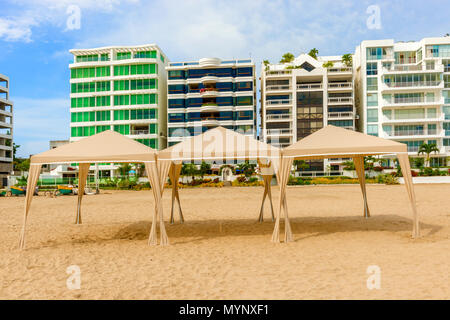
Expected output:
(303, 96)
(208, 93)
(122, 89)
(6, 131)
(404, 92)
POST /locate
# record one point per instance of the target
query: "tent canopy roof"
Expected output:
(108, 146)
(219, 143)
(333, 141)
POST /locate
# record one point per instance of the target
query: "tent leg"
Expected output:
(261, 211)
(271, 204)
(287, 224)
(179, 208)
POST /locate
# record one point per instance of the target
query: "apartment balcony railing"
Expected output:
(412, 84)
(279, 101)
(309, 86)
(271, 132)
(280, 145)
(338, 70)
(413, 149)
(340, 100)
(139, 132)
(278, 72)
(400, 68)
(411, 100)
(340, 85)
(348, 114)
(410, 133)
(277, 88)
(278, 117)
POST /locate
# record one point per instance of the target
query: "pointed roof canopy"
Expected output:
(108, 146)
(333, 141)
(219, 143)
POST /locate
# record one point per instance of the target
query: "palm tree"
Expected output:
(266, 64)
(247, 168)
(204, 168)
(124, 169)
(287, 57)
(189, 169)
(428, 148)
(314, 53)
(300, 165)
(328, 64)
(347, 59)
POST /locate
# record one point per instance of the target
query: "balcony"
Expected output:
(413, 85)
(209, 92)
(278, 132)
(413, 68)
(340, 115)
(346, 70)
(278, 117)
(139, 132)
(212, 107)
(412, 133)
(210, 121)
(309, 86)
(279, 88)
(279, 102)
(340, 100)
(340, 86)
(276, 73)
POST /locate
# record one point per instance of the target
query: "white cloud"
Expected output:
(36, 121)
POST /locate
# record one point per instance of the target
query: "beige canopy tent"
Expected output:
(218, 144)
(108, 146)
(334, 142)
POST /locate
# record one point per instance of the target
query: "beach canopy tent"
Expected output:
(335, 142)
(108, 146)
(218, 144)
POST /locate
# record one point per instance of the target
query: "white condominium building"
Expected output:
(302, 96)
(122, 89)
(6, 131)
(208, 93)
(404, 92)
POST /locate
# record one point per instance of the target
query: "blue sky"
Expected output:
(35, 40)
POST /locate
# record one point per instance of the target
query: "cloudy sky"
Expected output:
(36, 35)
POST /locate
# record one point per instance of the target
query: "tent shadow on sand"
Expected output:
(303, 227)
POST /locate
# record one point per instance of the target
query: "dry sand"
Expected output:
(221, 252)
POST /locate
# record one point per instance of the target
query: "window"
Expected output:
(103, 116)
(122, 100)
(244, 86)
(143, 69)
(121, 114)
(103, 86)
(82, 87)
(91, 57)
(82, 116)
(145, 54)
(122, 128)
(376, 53)
(341, 123)
(372, 99)
(372, 115)
(139, 114)
(176, 103)
(176, 74)
(123, 55)
(102, 71)
(176, 88)
(82, 131)
(176, 117)
(244, 72)
(431, 113)
(121, 70)
(143, 84)
(372, 84)
(372, 129)
(102, 128)
(446, 142)
(244, 101)
(143, 99)
(103, 101)
(153, 128)
(82, 102)
(76, 73)
(121, 85)
(372, 69)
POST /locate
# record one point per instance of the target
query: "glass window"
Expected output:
(244, 101)
(372, 99)
(372, 129)
(372, 84)
(372, 69)
(372, 115)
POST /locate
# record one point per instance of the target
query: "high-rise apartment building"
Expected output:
(208, 93)
(122, 89)
(404, 92)
(302, 96)
(6, 131)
